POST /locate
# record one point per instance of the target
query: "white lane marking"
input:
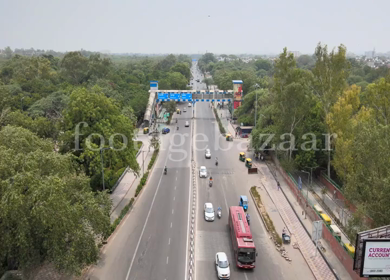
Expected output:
(146, 221)
(189, 207)
(176, 178)
(246, 277)
(172, 211)
(167, 259)
(176, 170)
(173, 198)
(171, 224)
(175, 187)
(169, 241)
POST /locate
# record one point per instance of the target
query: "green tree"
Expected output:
(103, 121)
(74, 67)
(183, 69)
(330, 79)
(47, 209)
(173, 80)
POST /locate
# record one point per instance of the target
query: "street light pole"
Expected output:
(311, 175)
(101, 156)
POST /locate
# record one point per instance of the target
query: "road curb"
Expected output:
(258, 210)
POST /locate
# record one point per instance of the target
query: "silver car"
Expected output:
(208, 211)
(203, 172)
(207, 153)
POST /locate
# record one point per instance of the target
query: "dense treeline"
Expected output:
(300, 100)
(56, 113)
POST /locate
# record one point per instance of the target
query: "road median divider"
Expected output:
(269, 225)
(220, 125)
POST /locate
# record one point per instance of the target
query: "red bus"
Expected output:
(243, 245)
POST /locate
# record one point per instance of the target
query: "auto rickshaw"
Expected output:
(350, 249)
(326, 219)
(244, 202)
(336, 232)
(178, 111)
(229, 137)
(248, 162)
(146, 130)
(242, 156)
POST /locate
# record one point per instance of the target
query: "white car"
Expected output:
(222, 266)
(208, 211)
(202, 172)
(187, 124)
(189, 104)
(184, 110)
(207, 153)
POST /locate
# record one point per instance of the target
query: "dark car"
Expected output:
(165, 130)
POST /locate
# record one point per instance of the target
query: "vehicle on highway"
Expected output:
(198, 81)
(184, 110)
(146, 130)
(207, 153)
(248, 162)
(178, 111)
(187, 124)
(202, 172)
(165, 130)
(222, 265)
(242, 156)
(243, 246)
(244, 202)
(189, 104)
(208, 211)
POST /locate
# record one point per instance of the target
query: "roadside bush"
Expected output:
(220, 125)
(153, 159)
(266, 217)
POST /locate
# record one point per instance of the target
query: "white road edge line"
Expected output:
(188, 214)
(146, 221)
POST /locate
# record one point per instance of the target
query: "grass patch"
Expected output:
(121, 215)
(266, 217)
(220, 125)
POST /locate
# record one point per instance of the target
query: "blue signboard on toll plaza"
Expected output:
(162, 96)
(186, 96)
(174, 96)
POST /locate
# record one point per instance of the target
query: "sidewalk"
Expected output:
(126, 188)
(316, 263)
(298, 268)
(291, 219)
(324, 198)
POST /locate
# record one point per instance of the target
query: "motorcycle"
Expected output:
(219, 213)
(216, 163)
(165, 171)
(177, 128)
(210, 184)
(248, 220)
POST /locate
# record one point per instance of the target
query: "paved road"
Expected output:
(230, 181)
(197, 75)
(151, 243)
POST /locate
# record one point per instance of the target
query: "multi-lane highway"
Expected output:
(230, 181)
(151, 243)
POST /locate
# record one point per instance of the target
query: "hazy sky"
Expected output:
(179, 26)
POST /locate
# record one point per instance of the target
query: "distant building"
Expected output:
(295, 53)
